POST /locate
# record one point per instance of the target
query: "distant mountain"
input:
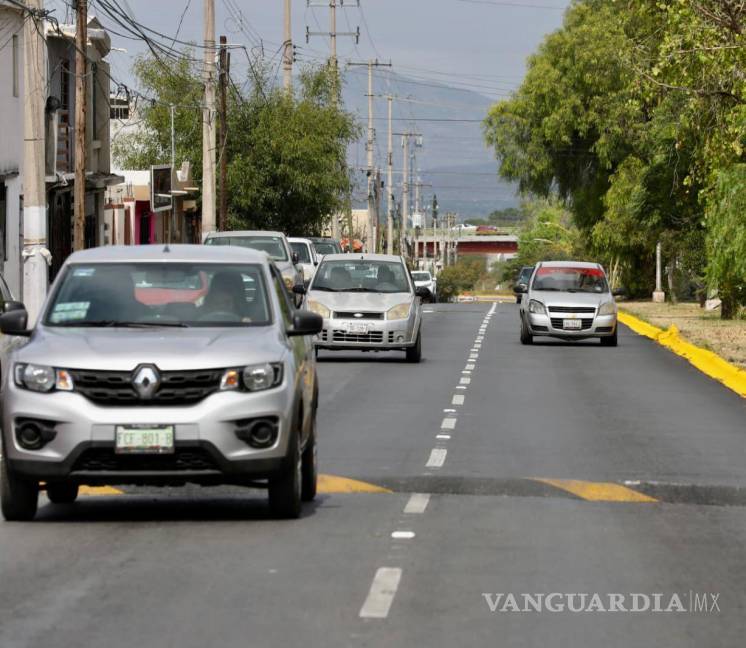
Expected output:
(453, 158)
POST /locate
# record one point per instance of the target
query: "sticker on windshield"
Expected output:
(84, 272)
(69, 311)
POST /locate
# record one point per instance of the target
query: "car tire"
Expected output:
(19, 498)
(611, 340)
(285, 487)
(309, 466)
(62, 493)
(526, 337)
(414, 353)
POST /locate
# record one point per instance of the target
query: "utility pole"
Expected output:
(287, 56)
(435, 229)
(390, 185)
(405, 194)
(81, 115)
(208, 122)
(333, 63)
(173, 143)
(35, 253)
(225, 61)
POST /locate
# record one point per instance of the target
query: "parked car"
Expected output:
(325, 245)
(569, 300)
(423, 279)
(307, 257)
(275, 244)
(109, 389)
(368, 302)
(523, 278)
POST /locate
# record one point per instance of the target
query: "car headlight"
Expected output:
(536, 307)
(319, 309)
(607, 308)
(399, 312)
(252, 378)
(41, 378)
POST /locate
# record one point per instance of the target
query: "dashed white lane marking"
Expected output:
(443, 437)
(402, 535)
(449, 411)
(492, 310)
(465, 381)
(458, 399)
(437, 458)
(474, 356)
(470, 367)
(428, 311)
(480, 338)
(460, 386)
(466, 371)
(417, 503)
(381, 594)
(448, 424)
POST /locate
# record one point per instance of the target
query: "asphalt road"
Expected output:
(511, 470)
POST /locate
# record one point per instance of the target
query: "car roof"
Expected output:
(299, 239)
(168, 253)
(236, 233)
(568, 264)
(362, 257)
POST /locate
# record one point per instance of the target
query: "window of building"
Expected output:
(16, 66)
(94, 98)
(65, 84)
(120, 109)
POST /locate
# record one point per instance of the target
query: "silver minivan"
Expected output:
(161, 366)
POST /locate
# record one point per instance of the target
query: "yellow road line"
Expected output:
(599, 491)
(332, 484)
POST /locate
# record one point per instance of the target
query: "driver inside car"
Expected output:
(227, 295)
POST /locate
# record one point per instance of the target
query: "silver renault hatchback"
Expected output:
(570, 300)
(161, 365)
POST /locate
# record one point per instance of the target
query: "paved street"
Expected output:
(499, 461)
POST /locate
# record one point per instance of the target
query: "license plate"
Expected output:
(354, 327)
(144, 439)
(572, 324)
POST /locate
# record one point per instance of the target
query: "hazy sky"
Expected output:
(482, 44)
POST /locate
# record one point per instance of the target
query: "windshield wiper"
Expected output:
(118, 324)
(324, 288)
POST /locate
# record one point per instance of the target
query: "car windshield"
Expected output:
(272, 245)
(301, 249)
(421, 276)
(570, 279)
(139, 295)
(361, 276)
(326, 247)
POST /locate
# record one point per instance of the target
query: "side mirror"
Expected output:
(619, 292)
(421, 291)
(295, 258)
(10, 306)
(520, 289)
(306, 323)
(299, 289)
(14, 322)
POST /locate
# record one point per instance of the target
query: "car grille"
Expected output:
(572, 309)
(558, 321)
(106, 460)
(353, 315)
(176, 388)
(374, 337)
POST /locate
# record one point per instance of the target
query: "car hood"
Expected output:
(168, 348)
(372, 302)
(551, 298)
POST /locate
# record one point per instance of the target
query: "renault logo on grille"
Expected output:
(146, 381)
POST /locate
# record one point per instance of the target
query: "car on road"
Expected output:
(213, 389)
(369, 302)
(423, 279)
(325, 245)
(307, 257)
(524, 276)
(570, 300)
(275, 244)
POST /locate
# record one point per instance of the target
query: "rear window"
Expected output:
(570, 279)
(274, 246)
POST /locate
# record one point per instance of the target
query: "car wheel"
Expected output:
(611, 340)
(285, 487)
(526, 337)
(62, 493)
(19, 498)
(414, 353)
(310, 466)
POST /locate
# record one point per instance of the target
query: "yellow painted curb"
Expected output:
(99, 490)
(332, 484)
(709, 363)
(599, 491)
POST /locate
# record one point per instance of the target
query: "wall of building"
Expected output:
(11, 108)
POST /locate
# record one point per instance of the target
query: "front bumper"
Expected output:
(207, 449)
(598, 326)
(381, 335)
